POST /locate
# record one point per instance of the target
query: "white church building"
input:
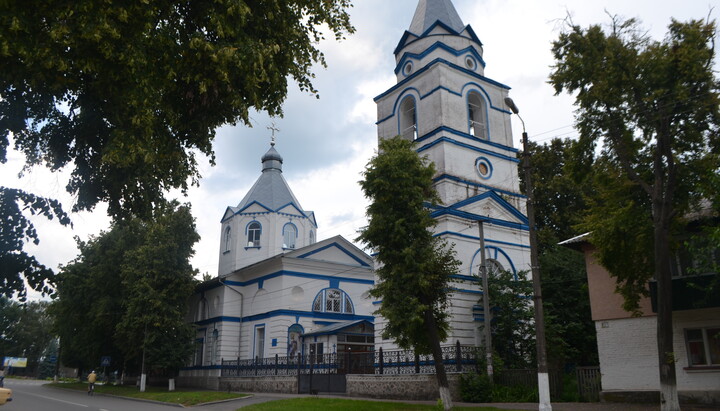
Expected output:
(278, 291)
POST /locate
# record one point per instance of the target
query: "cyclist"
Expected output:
(92, 377)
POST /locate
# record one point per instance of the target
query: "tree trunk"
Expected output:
(443, 386)
(666, 354)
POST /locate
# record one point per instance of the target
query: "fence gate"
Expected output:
(589, 385)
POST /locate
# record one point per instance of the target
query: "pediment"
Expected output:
(489, 205)
(290, 208)
(229, 212)
(255, 207)
(335, 250)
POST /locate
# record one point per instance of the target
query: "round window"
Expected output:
(483, 167)
(470, 63)
(408, 68)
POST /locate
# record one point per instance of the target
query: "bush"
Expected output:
(476, 388)
(515, 393)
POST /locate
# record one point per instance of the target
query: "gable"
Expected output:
(337, 252)
(290, 208)
(488, 205)
(255, 207)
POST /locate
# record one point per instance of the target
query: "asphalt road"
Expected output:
(31, 395)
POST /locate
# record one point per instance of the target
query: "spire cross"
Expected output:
(273, 129)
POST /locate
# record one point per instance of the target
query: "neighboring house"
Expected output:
(278, 292)
(627, 345)
(458, 119)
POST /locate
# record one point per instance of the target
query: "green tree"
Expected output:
(126, 95)
(127, 293)
(652, 108)
(16, 229)
(512, 319)
(415, 266)
(26, 331)
(562, 185)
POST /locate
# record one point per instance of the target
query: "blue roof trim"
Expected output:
(464, 277)
(302, 213)
(470, 137)
(475, 217)
(290, 313)
(438, 45)
(441, 61)
(341, 248)
(476, 184)
(492, 195)
(253, 203)
(295, 274)
(452, 32)
(459, 144)
(460, 290)
(476, 238)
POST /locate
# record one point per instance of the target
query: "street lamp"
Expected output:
(543, 377)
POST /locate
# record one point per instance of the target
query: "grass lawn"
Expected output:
(333, 404)
(184, 397)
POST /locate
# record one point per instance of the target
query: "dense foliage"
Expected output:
(26, 332)
(126, 95)
(127, 293)
(649, 110)
(414, 266)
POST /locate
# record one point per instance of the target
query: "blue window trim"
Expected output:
(485, 99)
(493, 253)
(262, 325)
(400, 101)
(297, 233)
(489, 165)
(343, 300)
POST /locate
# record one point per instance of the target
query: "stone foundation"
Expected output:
(421, 387)
(286, 384)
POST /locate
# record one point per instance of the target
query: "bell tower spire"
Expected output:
(429, 12)
(458, 119)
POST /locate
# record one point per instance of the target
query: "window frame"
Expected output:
(228, 238)
(292, 244)
(408, 118)
(344, 302)
(706, 340)
(477, 116)
(254, 234)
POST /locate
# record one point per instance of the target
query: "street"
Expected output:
(32, 395)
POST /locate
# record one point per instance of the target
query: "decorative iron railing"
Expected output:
(457, 358)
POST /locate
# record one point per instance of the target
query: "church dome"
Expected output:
(272, 160)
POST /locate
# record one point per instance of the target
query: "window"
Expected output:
(316, 352)
(289, 235)
(703, 346)
(260, 342)
(408, 119)
(228, 238)
(214, 354)
(201, 310)
(332, 300)
(477, 115)
(199, 348)
(253, 232)
(494, 268)
(312, 237)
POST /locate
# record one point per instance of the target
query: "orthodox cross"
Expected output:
(273, 129)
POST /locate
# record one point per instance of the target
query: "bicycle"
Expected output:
(91, 389)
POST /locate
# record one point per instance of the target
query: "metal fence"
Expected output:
(457, 358)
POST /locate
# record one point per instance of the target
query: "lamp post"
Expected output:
(543, 377)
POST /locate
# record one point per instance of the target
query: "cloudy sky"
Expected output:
(326, 142)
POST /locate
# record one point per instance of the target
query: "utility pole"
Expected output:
(487, 318)
(543, 376)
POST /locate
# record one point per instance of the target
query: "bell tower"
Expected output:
(457, 118)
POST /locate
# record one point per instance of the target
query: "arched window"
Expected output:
(201, 310)
(312, 237)
(289, 235)
(494, 268)
(408, 119)
(228, 238)
(333, 300)
(477, 115)
(254, 229)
